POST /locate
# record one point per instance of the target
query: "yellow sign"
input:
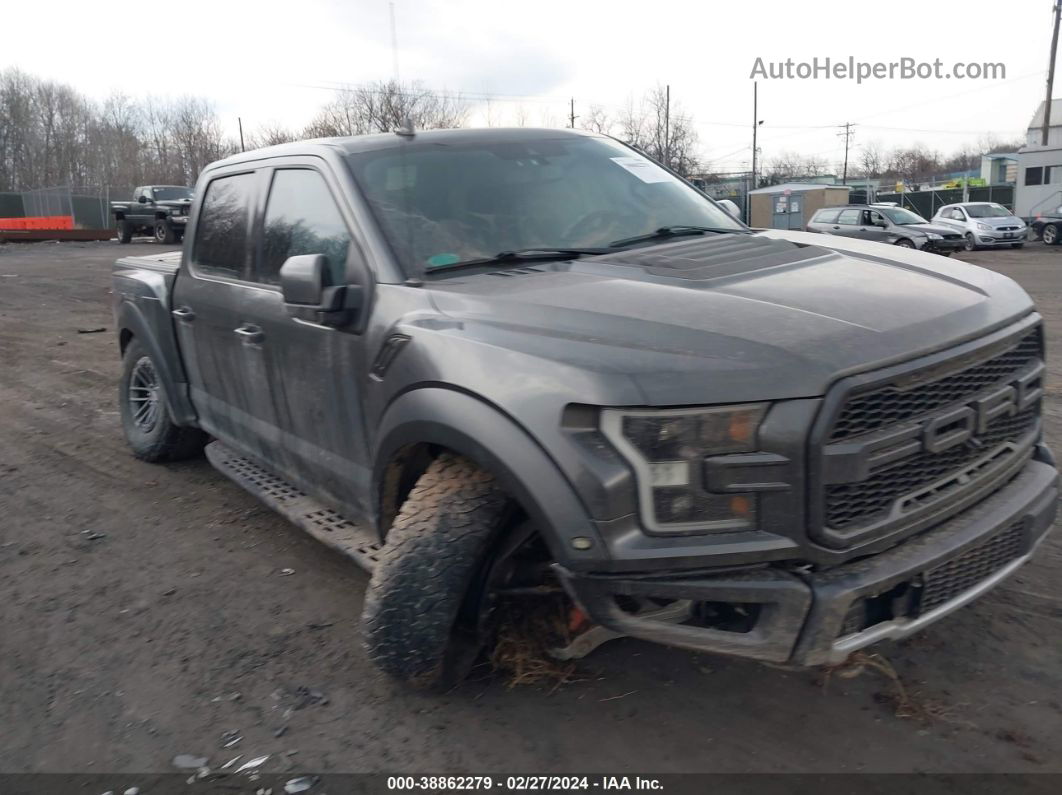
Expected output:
(899, 187)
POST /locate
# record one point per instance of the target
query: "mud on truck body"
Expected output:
(503, 365)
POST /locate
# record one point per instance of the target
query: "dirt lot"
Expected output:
(143, 614)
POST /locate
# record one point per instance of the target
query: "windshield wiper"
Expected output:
(671, 231)
(521, 255)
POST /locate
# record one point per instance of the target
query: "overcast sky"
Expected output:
(269, 61)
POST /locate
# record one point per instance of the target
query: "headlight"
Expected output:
(985, 227)
(177, 211)
(667, 447)
(933, 236)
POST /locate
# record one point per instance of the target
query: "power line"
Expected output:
(847, 133)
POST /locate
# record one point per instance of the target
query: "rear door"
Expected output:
(220, 348)
(313, 425)
(823, 220)
(847, 224)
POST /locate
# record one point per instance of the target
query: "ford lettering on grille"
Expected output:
(926, 442)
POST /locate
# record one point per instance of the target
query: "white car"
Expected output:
(983, 224)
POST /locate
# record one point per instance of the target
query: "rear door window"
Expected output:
(223, 226)
(302, 218)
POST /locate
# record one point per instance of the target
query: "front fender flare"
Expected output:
(474, 428)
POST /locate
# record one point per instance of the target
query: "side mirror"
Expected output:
(308, 295)
(143, 199)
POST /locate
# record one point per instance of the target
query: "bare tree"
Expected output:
(386, 106)
(597, 119)
(665, 134)
(871, 160)
(270, 134)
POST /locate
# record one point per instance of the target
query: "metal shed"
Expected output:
(791, 204)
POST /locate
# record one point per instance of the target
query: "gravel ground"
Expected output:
(143, 614)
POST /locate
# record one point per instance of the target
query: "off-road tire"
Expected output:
(164, 232)
(435, 549)
(125, 232)
(163, 441)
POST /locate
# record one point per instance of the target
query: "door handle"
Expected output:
(183, 313)
(837, 227)
(250, 333)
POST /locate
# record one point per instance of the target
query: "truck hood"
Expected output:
(733, 317)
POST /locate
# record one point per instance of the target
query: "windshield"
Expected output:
(987, 211)
(902, 217)
(171, 194)
(441, 204)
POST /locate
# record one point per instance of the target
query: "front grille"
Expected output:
(871, 499)
(891, 404)
(849, 504)
(952, 237)
(951, 579)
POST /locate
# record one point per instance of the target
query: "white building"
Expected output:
(1038, 189)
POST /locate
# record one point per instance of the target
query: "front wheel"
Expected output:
(164, 232)
(903, 242)
(149, 429)
(428, 610)
(1050, 235)
(970, 243)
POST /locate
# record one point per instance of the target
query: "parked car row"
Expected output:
(970, 225)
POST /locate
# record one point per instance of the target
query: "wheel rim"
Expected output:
(904, 244)
(969, 242)
(160, 232)
(1049, 235)
(120, 229)
(144, 395)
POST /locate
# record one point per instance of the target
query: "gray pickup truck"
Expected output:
(503, 369)
(157, 210)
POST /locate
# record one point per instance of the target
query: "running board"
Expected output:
(303, 511)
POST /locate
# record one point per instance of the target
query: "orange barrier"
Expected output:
(39, 222)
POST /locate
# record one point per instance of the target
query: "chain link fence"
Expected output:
(88, 206)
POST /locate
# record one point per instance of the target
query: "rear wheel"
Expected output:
(1050, 235)
(125, 231)
(430, 608)
(149, 430)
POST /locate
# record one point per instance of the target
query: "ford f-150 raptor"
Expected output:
(495, 365)
(157, 210)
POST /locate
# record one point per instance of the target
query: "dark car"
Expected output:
(157, 210)
(885, 224)
(1048, 227)
(533, 373)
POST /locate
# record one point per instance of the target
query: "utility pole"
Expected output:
(394, 43)
(846, 131)
(755, 128)
(1050, 77)
(571, 114)
(239, 121)
(667, 126)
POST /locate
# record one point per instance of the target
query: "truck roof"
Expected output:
(375, 142)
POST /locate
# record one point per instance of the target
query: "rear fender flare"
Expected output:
(471, 427)
(131, 320)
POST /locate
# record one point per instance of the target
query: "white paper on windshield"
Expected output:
(642, 169)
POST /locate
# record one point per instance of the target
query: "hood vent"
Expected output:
(713, 257)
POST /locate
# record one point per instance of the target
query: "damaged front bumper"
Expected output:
(816, 618)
